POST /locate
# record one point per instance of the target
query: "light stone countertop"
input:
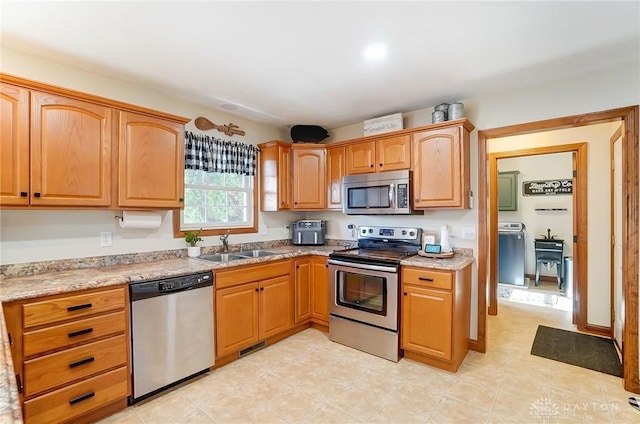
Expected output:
(50, 283)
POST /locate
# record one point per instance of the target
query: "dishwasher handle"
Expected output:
(149, 289)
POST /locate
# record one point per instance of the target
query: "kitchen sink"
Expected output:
(256, 253)
(222, 257)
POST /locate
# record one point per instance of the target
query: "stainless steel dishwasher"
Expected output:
(171, 331)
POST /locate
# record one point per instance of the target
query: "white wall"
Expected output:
(39, 235)
(536, 168)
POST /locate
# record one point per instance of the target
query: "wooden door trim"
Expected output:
(629, 116)
(616, 135)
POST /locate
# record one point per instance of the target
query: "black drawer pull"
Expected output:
(81, 332)
(425, 279)
(81, 398)
(19, 383)
(82, 362)
(76, 307)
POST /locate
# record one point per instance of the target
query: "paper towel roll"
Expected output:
(140, 219)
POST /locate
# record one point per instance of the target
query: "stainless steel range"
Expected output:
(363, 289)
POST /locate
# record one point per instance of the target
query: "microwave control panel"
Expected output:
(402, 201)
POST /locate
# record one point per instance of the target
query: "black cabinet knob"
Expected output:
(23, 194)
(36, 194)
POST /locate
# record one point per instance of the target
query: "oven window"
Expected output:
(363, 292)
(368, 197)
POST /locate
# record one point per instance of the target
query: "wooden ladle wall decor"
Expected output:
(204, 124)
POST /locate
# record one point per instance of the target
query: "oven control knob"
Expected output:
(404, 232)
(370, 230)
(412, 233)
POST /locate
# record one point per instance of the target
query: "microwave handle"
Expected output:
(391, 191)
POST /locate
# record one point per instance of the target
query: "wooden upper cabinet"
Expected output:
(393, 153)
(309, 181)
(70, 151)
(441, 168)
(275, 176)
(383, 154)
(14, 145)
(361, 157)
(335, 172)
(150, 162)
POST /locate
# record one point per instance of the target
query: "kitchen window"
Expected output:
(219, 187)
(213, 200)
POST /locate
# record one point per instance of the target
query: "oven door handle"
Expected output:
(381, 268)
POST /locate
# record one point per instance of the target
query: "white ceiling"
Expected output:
(287, 63)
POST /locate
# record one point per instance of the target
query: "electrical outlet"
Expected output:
(285, 229)
(106, 239)
(468, 233)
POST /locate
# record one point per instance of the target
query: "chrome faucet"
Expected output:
(225, 241)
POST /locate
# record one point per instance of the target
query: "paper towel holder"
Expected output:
(145, 219)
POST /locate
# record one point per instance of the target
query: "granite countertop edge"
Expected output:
(51, 283)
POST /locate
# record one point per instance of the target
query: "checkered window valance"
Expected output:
(215, 155)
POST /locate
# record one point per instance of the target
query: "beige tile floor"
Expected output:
(309, 379)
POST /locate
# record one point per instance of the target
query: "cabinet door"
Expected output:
(275, 176)
(393, 153)
(150, 162)
(361, 157)
(319, 289)
(440, 172)
(236, 318)
(284, 177)
(309, 179)
(14, 145)
(508, 191)
(426, 321)
(302, 290)
(70, 152)
(335, 172)
(276, 311)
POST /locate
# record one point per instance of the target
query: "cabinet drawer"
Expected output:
(248, 274)
(56, 310)
(428, 278)
(63, 367)
(69, 402)
(60, 336)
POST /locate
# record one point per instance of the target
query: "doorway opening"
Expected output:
(535, 203)
(487, 225)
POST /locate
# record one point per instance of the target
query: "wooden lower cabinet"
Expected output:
(435, 316)
(71, 353)
(252, 303)
(427, 321)
(302, 290)
(319, 290)
(311, 290)
(78, 399)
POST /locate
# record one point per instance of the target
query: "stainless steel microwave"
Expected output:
(379, 193)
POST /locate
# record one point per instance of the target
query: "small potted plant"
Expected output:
(192, 239)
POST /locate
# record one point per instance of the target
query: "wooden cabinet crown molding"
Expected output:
(23, 82)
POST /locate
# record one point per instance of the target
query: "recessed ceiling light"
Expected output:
(375, 52)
